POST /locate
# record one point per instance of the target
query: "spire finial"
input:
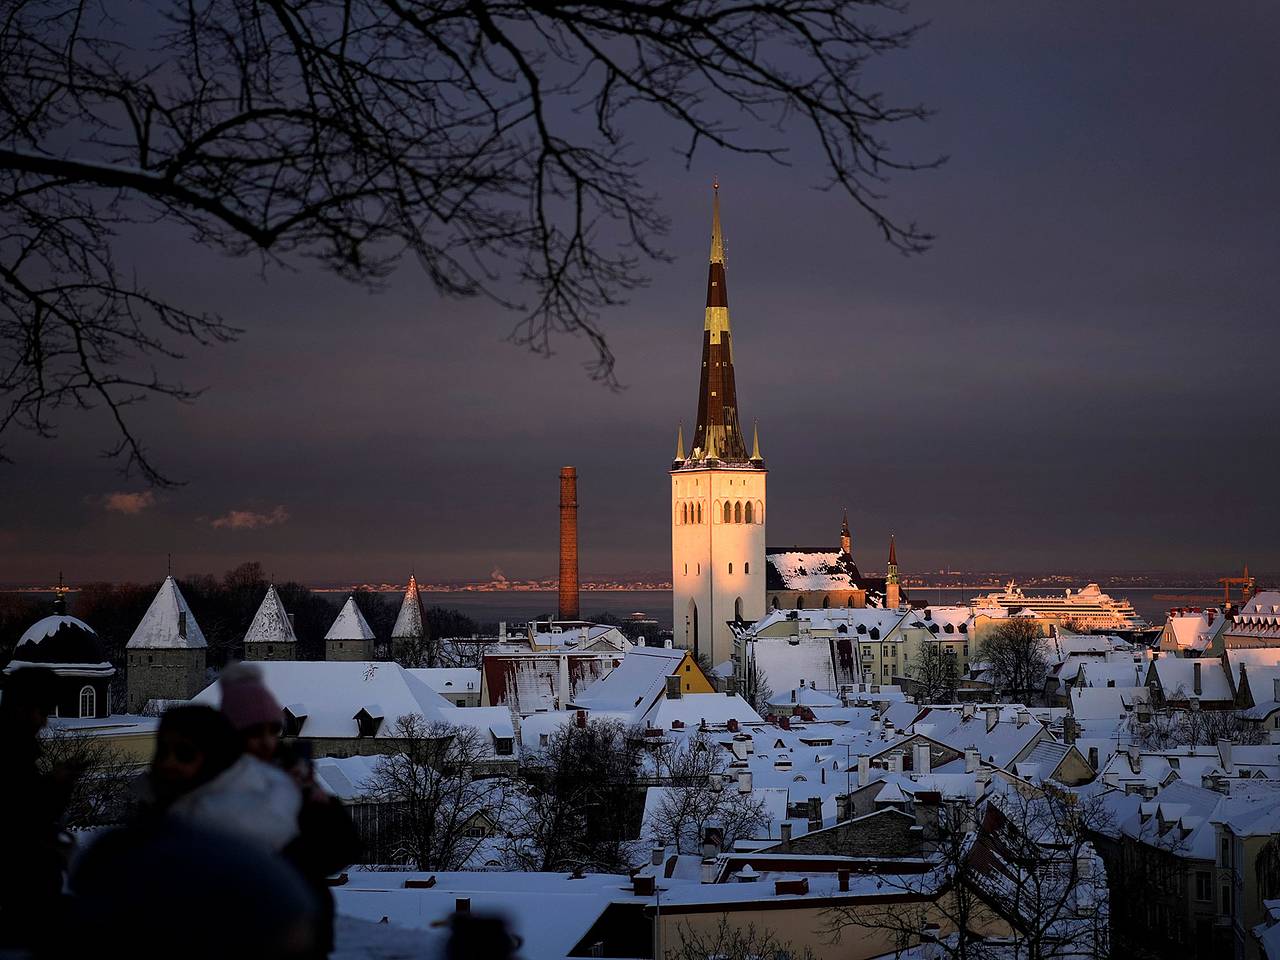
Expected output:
(755, 440)
(893, 551)
(680, 441)
(717, 237)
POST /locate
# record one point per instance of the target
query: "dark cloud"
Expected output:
(1080, 374)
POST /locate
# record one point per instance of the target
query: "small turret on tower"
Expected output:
(846, 538)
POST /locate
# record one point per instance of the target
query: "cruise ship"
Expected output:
(1087, 609)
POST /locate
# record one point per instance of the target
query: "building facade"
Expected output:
(718, 495)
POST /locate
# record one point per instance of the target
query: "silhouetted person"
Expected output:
(171, 887)
(194, 745)
(31, 808)
(327, 841)
(480, 937)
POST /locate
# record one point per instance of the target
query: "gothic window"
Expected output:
(697, 569)
(699, 511)
(737, 512)
(88, 701)
(684, 513)
(748, 513)
(746, 568)
(728, 512)
(774, 603)
(686, 569)
(737, 609)
(731, 568)
(800, 602)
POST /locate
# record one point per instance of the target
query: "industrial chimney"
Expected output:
(569, 543)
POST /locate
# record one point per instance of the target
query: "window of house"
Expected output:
(88, 701)
(475, 833)
(1224, 858)
(746, 568)
(1204, 885)
(503, 746)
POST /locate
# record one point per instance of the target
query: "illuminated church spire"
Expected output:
(717, 428)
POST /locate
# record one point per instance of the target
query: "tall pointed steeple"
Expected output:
(846, 538)
(717, 427)
(680, 441)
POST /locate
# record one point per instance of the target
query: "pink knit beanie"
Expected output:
(246, 701)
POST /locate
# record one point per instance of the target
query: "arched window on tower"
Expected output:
(759, 512)
(728, 512)
(699, 511)
(826, 602)
(737, 610)
(731, 567)
(737, 512)
(684, 513)
(88, 701)
(749, 513)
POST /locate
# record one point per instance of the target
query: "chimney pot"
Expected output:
(1195, 675)
(656, 856)
(462, 905)
(786, 833)
(843, 875)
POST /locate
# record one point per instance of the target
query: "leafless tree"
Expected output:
(443, 806)
(488, 141)
(731, 941)
(694, 798)
(1016, 655)
(99, 777)
(1167, 728)
(935, 674)
(581, 806)
(1016, 865)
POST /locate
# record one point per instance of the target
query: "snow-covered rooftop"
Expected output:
(350, 624)
(271, 623)
(168, 623)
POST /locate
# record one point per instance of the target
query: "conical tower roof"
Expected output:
(271, 622)
(717, 428)
(168, 623)
(410, 622)
(350, 624)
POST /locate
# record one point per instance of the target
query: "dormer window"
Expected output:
(368, 720)
(294, 716)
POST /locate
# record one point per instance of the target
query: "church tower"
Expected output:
(717, 494)
(892, 592)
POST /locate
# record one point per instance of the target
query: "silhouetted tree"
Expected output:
(935, 674)
(486, 141)
(1015, 653)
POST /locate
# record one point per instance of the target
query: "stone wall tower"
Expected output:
(165, 657)
(718, 501)
(270, 636)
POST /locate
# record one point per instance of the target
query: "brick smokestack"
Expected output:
(569, 543)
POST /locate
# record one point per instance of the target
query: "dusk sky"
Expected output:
(1079, 375)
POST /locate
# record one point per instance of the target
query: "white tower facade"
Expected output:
(718, 495)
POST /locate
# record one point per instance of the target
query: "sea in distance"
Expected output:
(518, 606)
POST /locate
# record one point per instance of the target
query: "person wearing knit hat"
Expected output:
(252, 709)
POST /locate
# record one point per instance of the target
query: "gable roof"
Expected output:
(635, 683)
(271, 623)
(350, 624)
(161, 627)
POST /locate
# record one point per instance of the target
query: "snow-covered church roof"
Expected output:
(168, 623)
(350, 624)
(409, 621)
(271, 623)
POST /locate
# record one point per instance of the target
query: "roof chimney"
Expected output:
(842, 876)
(786, 832)
(1195, 677)
(971, 760)
(569, 543)
(864, 770)
(993, 717)
(744, 781)
(462, 905)
(656, 856)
